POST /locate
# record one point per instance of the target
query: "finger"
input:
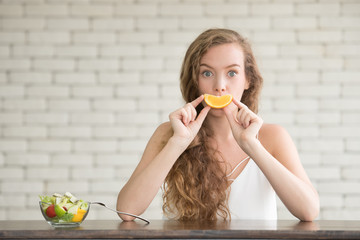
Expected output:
(247, 120)
(184, 116)
(239, 104)
(230, 117)
(201, 117)
(197, 101)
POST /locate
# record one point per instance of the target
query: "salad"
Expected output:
(63, 208)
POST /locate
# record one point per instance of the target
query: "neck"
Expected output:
(220, 127)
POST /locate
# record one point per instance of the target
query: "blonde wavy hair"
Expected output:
(196, 187)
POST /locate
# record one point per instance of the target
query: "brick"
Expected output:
(115, 132)
(297, 23)
(324, 173)
(133, 145)
(98, 146)
(92, 91)
(352, 201)
(350, 173)
(301, 50)
(271, 9)
(352, 36)
(24, 104)
(265, 50)
(341, 76)
(14, 64)
(76, 51)
(69, 105)
(136, 10)
(11, 91)
(304, 131)
(122, 159)
(310, 77)
(340, 159)
(50, 145)
(344, 23)
(353, 145)
(79, 78)
(226, 9)
(12, 37)
(351, 64)
(320, 36)
(50, 10)
(48, 91)
(331, 64)
(70, 132)
(183, 9)
(119, 77)
(271, 90)
(328, 90)
(142, 64)
(138, 118)
(105, 186)
(345, 187)
(92, 118)
(173, 63)
(12, 200)
(161, 77)
(11, 173)
(92, 173)
(93, 10)
(339, 104)
(46, 118)
(68, 24)
(323, 118)
(340, 50)
(10, 118)
(331, 201)
(22, 187)
(11, 10)
(54, 64)
(30, 77)
(310, 159)
(170, 91)
(99, 64)
(27, 159)
(72, 160)
(23, 23)
(160, 104)
(77, 187)
(278, 118)
(350, 9)
(164, 50)
(4, 51)
(350, 117)
(47, 173)
(179, 37)
(279, 64)
(139, 37)
(115, 105)
(113, 24)
(197, 23)
(94, 38)
(25, 132)
(163, 23)
(121, 51)
(350, 90)
(322, 145)
(318, 9)
(274, 37)
(48, 37)
(33, 51)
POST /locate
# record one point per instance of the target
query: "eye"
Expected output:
(232, 73)
(207, 74)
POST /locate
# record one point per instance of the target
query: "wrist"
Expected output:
(178, 143)
(250, 145)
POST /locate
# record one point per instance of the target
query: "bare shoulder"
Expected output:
(273, 137)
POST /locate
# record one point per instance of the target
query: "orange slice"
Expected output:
(218, 101)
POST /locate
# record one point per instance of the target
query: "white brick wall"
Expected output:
(83, 84)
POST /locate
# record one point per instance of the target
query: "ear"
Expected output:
(246, 85)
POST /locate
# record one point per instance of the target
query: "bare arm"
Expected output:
(165, 146)
(279, 161)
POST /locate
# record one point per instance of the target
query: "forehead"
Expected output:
(230, 53)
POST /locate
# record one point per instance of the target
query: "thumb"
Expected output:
(230, 117)
(200, 118)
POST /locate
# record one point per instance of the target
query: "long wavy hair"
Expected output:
(196, 187)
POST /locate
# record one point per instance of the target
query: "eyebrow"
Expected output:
(231, 65)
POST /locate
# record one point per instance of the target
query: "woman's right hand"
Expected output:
(185, 124)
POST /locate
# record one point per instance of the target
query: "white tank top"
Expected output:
(251, 195)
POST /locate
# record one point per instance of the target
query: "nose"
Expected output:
(220, 85)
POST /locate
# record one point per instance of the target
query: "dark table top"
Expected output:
(160, 229)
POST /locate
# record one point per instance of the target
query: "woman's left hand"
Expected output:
(245, 124)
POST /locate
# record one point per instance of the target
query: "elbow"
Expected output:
(310, 213)
(126, 218)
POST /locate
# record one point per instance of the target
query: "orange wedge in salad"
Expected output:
(218, 101)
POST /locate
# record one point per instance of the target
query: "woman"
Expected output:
(220, 163)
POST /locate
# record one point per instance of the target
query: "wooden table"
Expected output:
(158, 229)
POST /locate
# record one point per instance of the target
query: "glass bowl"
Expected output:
(67, 220)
